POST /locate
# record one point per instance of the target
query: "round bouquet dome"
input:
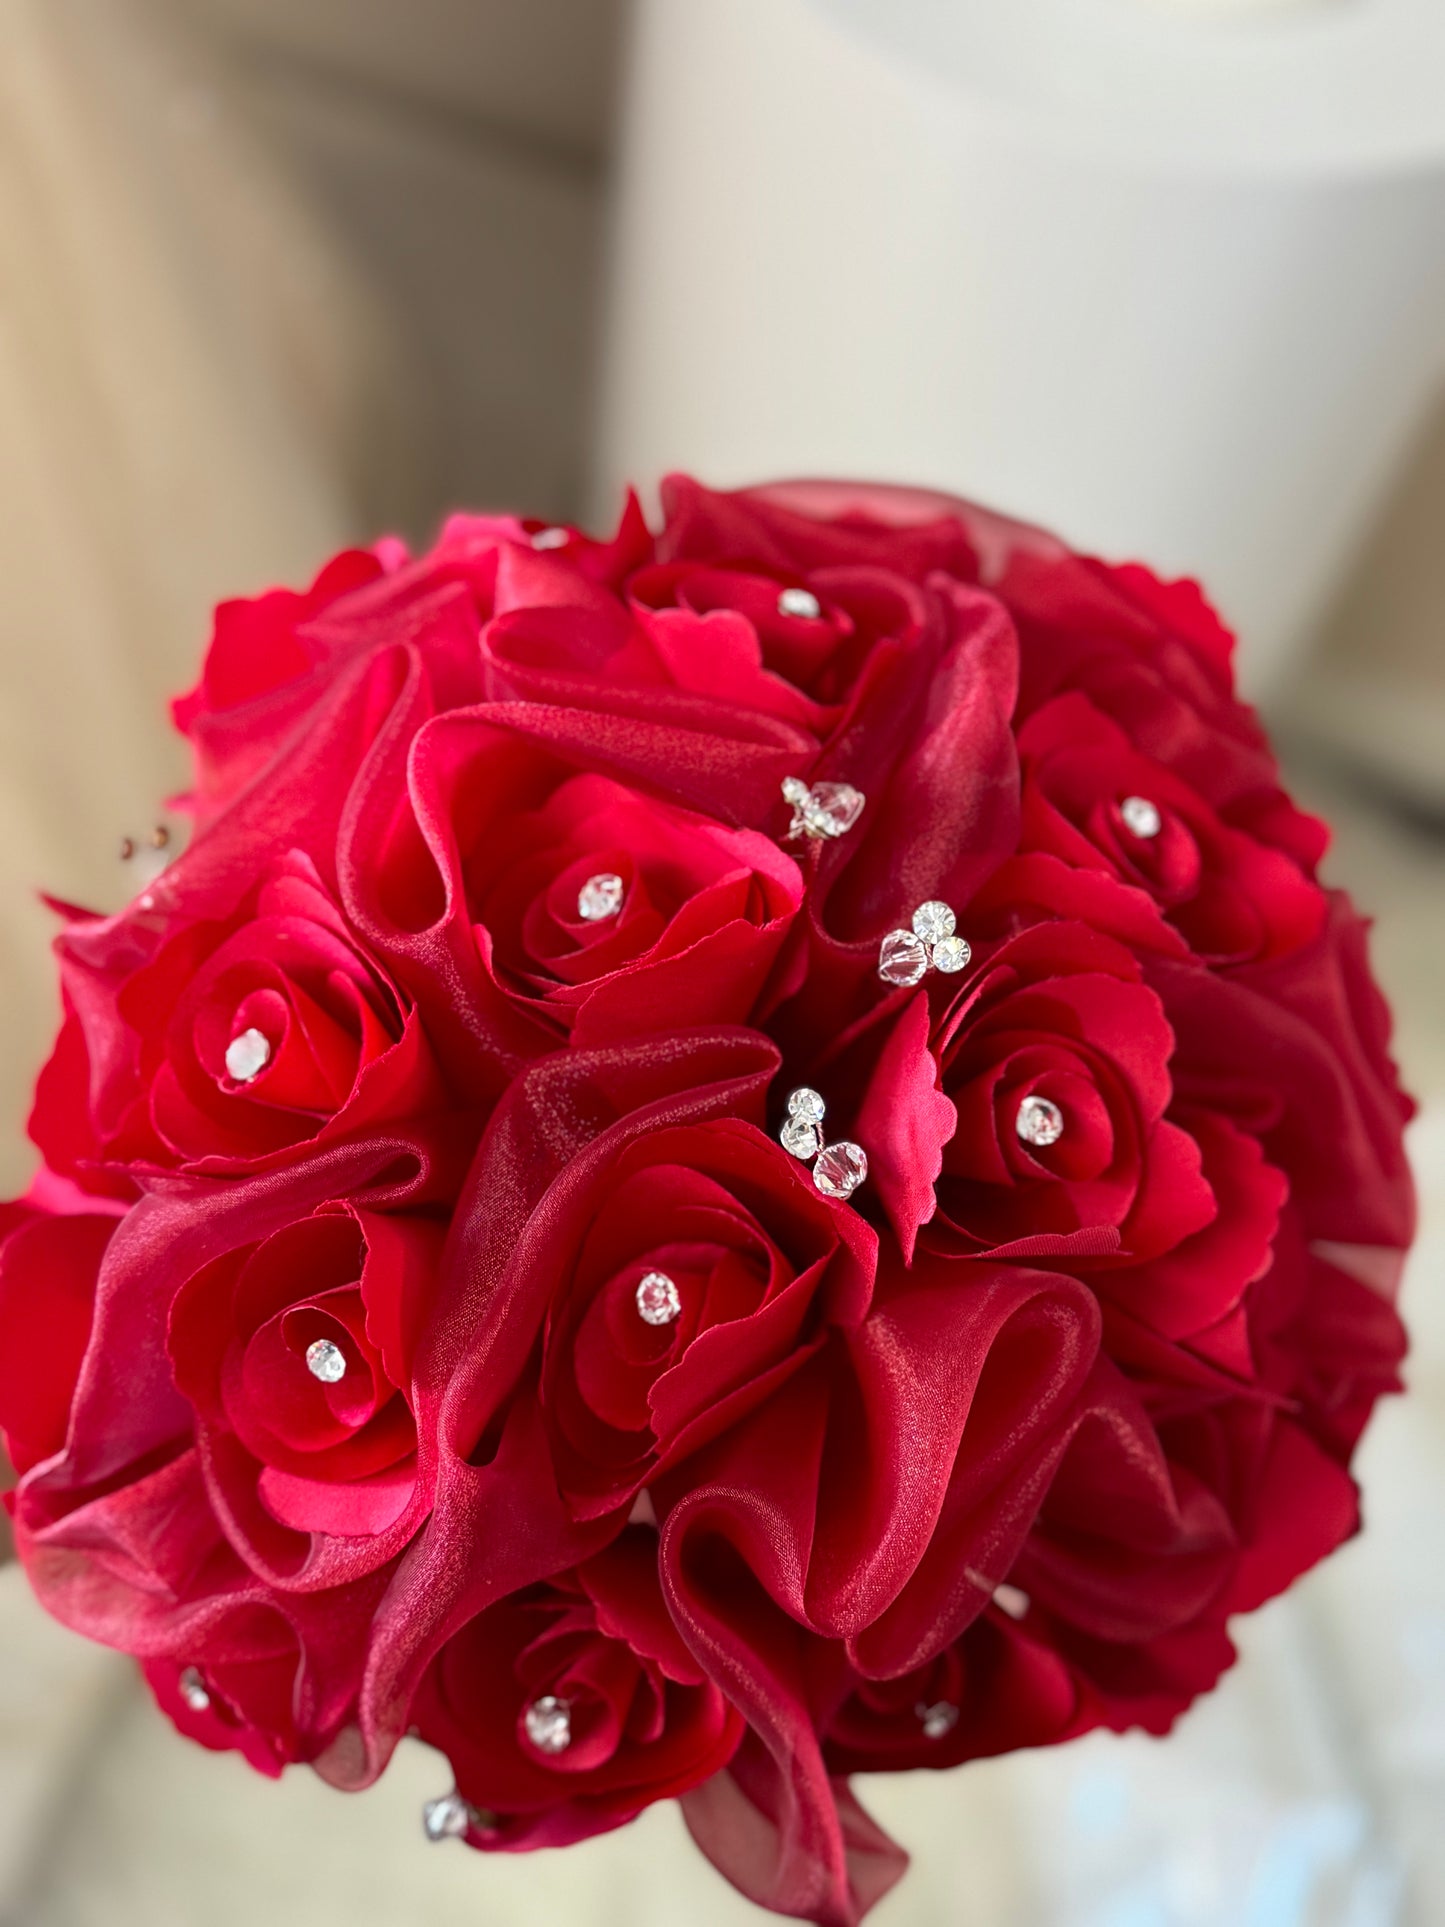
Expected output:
(734, 1155)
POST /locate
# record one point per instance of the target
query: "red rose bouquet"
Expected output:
(734, 1156)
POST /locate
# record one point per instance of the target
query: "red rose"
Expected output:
(568, 1708)
(997, 1687)
(144, 1524)
(233, 1043)
(241, 1705)
(1036, 1101)
(296, 1355)
(1092, 799)
(594, 907)
(707, 1270)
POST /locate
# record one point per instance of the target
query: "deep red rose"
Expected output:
(143, 1524)
(1056, 1018)
(997, 1688)
(595, 907)
(624, 1713)
(757, 1265)
(234, 1043)
(1232, 898)
(241, 1705)
(296, 1355)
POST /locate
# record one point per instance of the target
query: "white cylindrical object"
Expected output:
(906, 241)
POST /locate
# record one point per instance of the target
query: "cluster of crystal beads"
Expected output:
(449, 1818)
(326, 1361)
(824, 810)
(193, 1690)
(600, 897)
(937, 1720)
(247, 1056)
(933, 943)
(1040, 1122)
(801, 603)
(838, 1169)
(802, 1135)
(548, 1724)
(1141, 817)
(659, 1302)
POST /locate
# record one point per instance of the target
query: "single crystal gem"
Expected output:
(549, 1724)
(806, 1104)
(449, 1818)
(1039, 1122)
(1141, 817)
(600, 897)
(659, 1301)
(801, 603)
(801, 1137)
(834, 808)
(951, 954)
(840, 1169)
(551, 538)
(193, 1691)
(903, 958)
(825, 810)
(938, 1719)
(248, 1055)
(1010, 1600)
(933, 922)
(326, 1361)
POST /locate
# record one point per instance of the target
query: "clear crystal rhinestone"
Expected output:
(449, 1818)
(659, 1301)
(951, 954)
(548, 1722)
(248, 1055)
(551, 538)
(1039, 1122)
(326, 1361)
(933, 921)
(833, 808)
(827, 809)
(193, 1690)
(600, 897)
(840, 1169)
(801, 603)
(806, 1104)
(1141, 817)
(902, 958)
(801, 1137)
(1010, 1600)
(938, 1719)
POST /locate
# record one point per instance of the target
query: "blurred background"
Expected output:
(1168, 275)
